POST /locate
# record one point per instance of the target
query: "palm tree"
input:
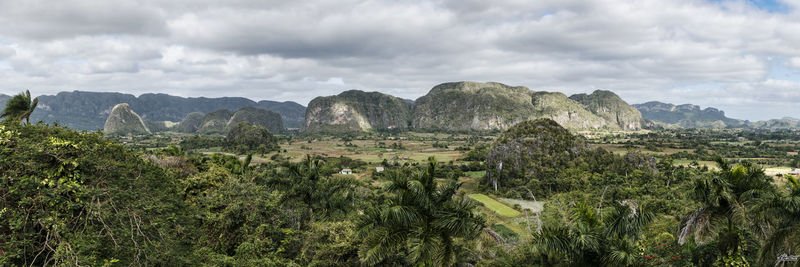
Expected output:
(322, 196)
(724, 197)
(783, 208)
(422, 223)
(589, 240)
(20, 107)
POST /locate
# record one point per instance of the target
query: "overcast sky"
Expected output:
(740, 56)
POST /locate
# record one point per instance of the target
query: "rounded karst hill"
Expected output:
(215, 122)
(355, 110)
(256, 116)
(476, 106)
(123, 121)
(534, 149)
(191, 123)
(460, 106)
(245, 137)
(611, 107)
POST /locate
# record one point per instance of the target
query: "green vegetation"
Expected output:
(495, 206)
(423, 223)
(245, 137)
(252, 198)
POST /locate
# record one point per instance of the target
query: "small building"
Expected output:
(795, 172)
(378, 169)
(346, 171)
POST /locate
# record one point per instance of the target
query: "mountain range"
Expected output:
(468, 106)
(456, 106)
(89, 110)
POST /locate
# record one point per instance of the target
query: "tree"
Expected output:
(592, 240)
(20, 107)
(421, 224)
(784, 210)
(724, 197)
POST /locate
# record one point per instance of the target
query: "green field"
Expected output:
(495, 206)
(475, 174)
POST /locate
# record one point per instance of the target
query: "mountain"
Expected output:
(123, 121)
(686, 115)
(221, 121)
(611, 107)
(494, 106)
(88, 110)
(472, 106)
(3, 100)
(292, 114)
(567, 112)
(191, 123)
(258, 117)
(784, 123)
(215, 122)
(356, 110)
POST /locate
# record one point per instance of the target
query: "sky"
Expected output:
(741, 56)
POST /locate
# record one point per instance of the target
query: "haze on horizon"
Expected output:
(741, 56)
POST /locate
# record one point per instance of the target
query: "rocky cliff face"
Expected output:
(567, 112)
(123, 121)
(356, 110)
(612, 108)
(495, 106)
(472, 106)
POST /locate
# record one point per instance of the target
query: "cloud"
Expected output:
(716, 53)
(48, 20)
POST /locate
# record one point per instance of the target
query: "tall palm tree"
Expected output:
(724, 197)
(20, 107)
(422, 223)
(783, 208)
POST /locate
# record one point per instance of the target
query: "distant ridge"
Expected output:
(89, 110)
(686, 115)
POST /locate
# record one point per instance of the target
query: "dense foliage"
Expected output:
(75, 198)
(244, 137)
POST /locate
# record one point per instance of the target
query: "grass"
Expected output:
(475, 174)
(685, 162)
(494, 205)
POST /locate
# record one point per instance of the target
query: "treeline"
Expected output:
(73, 198)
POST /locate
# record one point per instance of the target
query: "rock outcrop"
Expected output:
(489, 106)
(356, 110)
(462, 106)
(612, 108)
(567, 112)
(123, 121)
(532, 149)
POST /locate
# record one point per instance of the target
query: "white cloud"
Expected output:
(296, 50)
